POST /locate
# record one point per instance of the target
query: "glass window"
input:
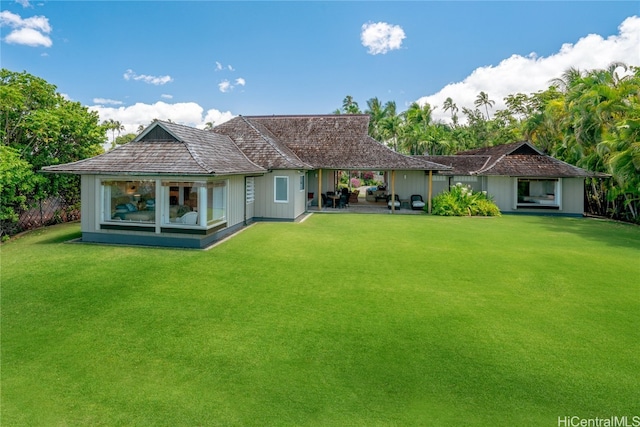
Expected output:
(301, 182)
(186, 202)
(216, 202)
(129, 201)
(181, 202)
(538, 192)
(281, 184)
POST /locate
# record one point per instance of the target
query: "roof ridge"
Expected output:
(187, 145)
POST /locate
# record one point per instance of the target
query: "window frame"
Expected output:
(538, 201)
(276, 188)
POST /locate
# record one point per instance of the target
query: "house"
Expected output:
(179, 186)
(519, 177)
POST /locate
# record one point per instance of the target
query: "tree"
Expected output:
(349, 106)
(44, 129)
(17, 180)
(483, 100)
(449, 105)
(114, 126)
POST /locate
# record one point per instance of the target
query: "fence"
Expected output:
(52, 210)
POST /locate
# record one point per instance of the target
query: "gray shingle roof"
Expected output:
(168, 148)
(260, 145)
(515, 159)
(321, 141)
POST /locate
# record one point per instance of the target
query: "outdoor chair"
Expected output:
(417, 203)
(326, 201)
(344, 200)
(396, 201)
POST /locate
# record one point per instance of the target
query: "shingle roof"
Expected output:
(260, 145)
(515, 159)
(320, 141)
(179, 150)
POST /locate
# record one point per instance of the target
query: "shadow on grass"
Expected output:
(611, 233)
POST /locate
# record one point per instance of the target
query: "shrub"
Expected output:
(355, 182)
(461, 201)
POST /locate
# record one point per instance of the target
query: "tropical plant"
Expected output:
(461, 200)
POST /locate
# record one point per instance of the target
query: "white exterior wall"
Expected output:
(501, 188)
(88, 205)
(573, 195)
(504, 192)
(266, 206)
(410, 182)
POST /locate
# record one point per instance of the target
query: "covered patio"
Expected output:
(398, 185)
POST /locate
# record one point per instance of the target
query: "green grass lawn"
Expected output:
(341, 320)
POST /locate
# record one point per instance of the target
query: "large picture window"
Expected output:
(129, 201)
(538, 193)
(281, 185)
(195, 203)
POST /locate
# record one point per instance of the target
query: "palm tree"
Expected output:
(483, 99)
(114, 126)
(350, 106)
(449, 105)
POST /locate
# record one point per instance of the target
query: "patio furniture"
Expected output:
(374, 194)
(396, 202)
(190, 218)
(353, 196)
(344, 201)
(417, 203)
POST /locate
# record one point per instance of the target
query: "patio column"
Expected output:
(320, 189)
(393, 191)
(430, 191)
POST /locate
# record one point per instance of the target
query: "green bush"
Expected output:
(462, 201)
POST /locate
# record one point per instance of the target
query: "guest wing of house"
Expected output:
(180, 186)
(519, 178)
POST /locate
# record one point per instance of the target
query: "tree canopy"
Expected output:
(39, 127)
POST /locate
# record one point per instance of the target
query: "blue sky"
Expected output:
(199, 61)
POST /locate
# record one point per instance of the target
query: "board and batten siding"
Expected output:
(265, 205)
(503, 190)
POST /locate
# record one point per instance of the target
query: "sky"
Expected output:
(195, 62)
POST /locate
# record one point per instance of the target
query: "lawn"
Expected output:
(341, 320)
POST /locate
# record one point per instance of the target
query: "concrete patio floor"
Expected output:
(363, 207)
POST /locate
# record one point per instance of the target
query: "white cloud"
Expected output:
(154, 80)
(24, 3)
(220, 67)
(32, 31)
(381, 37)
(166, 96)
(105, 101)
(187, 113)
(530, 74)
(226, 86)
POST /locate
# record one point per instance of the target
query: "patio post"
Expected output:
(393, 191)
(430, 190)
(320, 189)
